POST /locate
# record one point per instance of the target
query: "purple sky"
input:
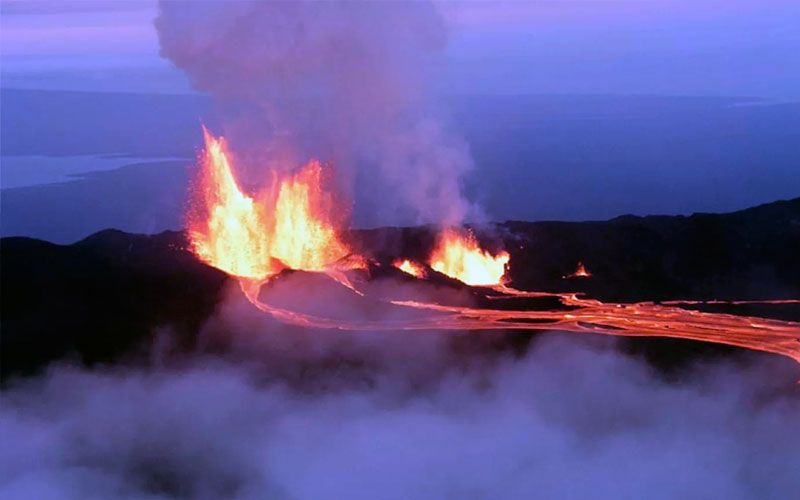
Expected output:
(699, 47)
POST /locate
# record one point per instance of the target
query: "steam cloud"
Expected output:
(347, 81)
(572, 419)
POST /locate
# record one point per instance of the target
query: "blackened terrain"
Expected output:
(749, 254)
(101, 298)
(98, 299)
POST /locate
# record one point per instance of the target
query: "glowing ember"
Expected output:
(461, 257)
(580, 272)
(410, 267)
(255, 237)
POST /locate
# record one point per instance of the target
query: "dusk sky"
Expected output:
(567, 110)
(712, 48)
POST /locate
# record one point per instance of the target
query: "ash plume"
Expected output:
(343, 81)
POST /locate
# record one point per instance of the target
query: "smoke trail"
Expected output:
(348, 81)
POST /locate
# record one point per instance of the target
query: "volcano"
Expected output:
(101, 299)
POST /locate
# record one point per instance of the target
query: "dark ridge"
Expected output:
(750, 254)
(98, 300)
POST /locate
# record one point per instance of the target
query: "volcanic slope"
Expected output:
(104, 297)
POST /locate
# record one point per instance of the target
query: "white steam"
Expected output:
(570, 420)
(342, 81)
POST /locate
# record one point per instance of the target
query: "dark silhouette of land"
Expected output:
(103, 298)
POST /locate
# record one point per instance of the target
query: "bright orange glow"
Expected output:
(460, 256)
(255, 237)
(304, 237)
(580, 272)
(410, 267)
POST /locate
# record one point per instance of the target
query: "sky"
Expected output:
(552, 110)
(706, 47)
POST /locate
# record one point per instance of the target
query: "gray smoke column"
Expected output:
(341, 81)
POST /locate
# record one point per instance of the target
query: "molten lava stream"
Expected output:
(589, 315)
(639, 319)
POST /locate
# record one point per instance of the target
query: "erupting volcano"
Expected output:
(291, 225)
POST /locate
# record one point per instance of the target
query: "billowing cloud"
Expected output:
(569, 420)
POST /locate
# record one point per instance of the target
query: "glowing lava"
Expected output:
(580, 272)
(304, 236)
(460, 256)
(254, 237)
(410, 267)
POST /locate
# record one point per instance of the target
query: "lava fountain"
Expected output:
(253, 237)
(226, 227)
(410, 267)
(460, 256)
(580, 272)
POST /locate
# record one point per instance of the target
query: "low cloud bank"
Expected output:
(572, 418)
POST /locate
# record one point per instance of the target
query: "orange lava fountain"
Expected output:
(580, 272)
(461, 257)
(255, 237)
(410, 267)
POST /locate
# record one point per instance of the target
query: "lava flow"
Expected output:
(253, 237)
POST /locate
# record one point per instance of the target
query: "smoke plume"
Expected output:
(341, 81)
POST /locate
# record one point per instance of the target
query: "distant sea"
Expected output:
(33, 170)
(76, 162)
